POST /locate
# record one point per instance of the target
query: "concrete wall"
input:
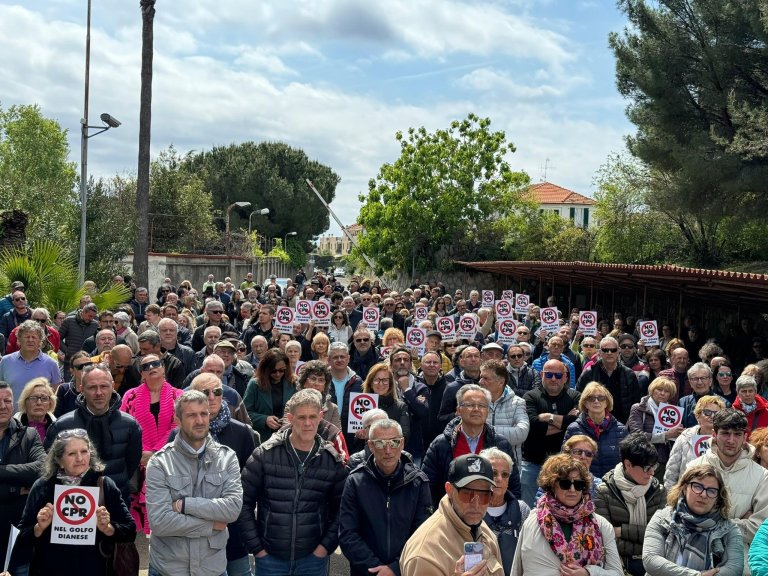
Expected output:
(195, 268)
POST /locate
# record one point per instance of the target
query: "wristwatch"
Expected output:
(551, 419)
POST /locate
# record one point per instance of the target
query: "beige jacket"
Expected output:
(747, 484)
(438, 543)
(534, 557)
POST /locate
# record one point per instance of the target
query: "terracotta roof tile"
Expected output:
(548, 193)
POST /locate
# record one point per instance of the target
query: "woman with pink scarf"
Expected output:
(152, 404)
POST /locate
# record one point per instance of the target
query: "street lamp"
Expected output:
(285, 240)
(263, 212)
(228, 237)
(109, 122)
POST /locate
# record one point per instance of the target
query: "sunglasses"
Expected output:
(241, 349)
(215, 391)
(567, 483)
(709, 413)
(73, 433)
(22, 299)
(626, 346)
(609, 350)
(555, 375)
(580, 452)
(724, 374)
(588, 346)
(216, 312)
(81, 366)
(467, 495)
(381, 444)
(149, 365)
(597, 398)
(515, 356)
(362, 339)
(41, 320)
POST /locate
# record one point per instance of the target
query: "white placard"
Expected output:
(508, 295)
(303, 312)
(415, 339)
(447, 328)
(488, 298)
(284, 319)
(467, 327)
(649, 332)
(522, 302)
(359, 404)
(588, 322)
(505, 308)
(74, 515)
(668, 416)
(371, 318)
(550, 319)
(12, 535)
(700, 444)
(321, 312)
(507, 331)
(420, 313)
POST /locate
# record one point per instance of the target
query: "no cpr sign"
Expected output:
(371, 318)
(321, 312)
(507, 331)
(447, 328)
(359, 404)
(668, 417)
(505, 308)
(74, 515)
(649, 332)
(550, 318)
(303, 312)
(415, 338)
(588, 322)
(522, 302)
(421, 313)
(284, 319)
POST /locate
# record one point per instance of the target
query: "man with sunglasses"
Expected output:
(437, 546)
(115, 434)
(621, 381)
(746, 480)
(522, 377)
(550, 408)
(16, 315)
(362, 353)
(74, 331)
(214, 312)
(385, 500)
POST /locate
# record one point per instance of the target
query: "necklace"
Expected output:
(298, 458)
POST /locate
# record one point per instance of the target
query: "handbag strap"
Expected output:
(100, 484)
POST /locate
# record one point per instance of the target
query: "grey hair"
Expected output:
(100, 368)
(43, 311)
(471, 388)
(609, 339)
(372, 416)
(52, 463)
(150, 336)
(304, 397)
(122, 318)
(385, 424)
(700, 366)
(211, 328)
(494, 453)
(188, 397)
(31, 326)
(745, 381)
(292, 344)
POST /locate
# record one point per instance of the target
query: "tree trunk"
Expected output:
(141, 248)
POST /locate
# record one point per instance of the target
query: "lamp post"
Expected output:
(109, 122)
(285, 240)
(263, 212)
(228, 237)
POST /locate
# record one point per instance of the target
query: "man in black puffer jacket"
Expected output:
(115, 434)
(385, 500)
(294, 481)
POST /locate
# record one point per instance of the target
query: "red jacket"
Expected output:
(758, 418)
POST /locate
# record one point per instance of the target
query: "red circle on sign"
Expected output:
(357, 399)
(303, 307)
(507, 328)
(322, 309)
(445, 325)
(671, 410)
(549, 316)
(588, 319)
(648, 330)
(503, 308)
(522, 300)
(371, 315)
(697, 448)
(467, 324)
(87, 517)
(415, 338)
(285, 315)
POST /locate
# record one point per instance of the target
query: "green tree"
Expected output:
(531, 234)
(268, 175)
(438, 195)
(686, 66)
(35, 174)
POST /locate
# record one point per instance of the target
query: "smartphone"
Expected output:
(473, 554)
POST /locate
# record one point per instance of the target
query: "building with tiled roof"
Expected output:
(338, 245)
(563, 202)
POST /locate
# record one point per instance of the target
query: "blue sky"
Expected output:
(336, 78)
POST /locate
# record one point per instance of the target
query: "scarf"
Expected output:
(221, 421)
(598, 428)
(687, 543)
(748, 408)
(633, 494)
(68, 480)
(585, 547)
(652, 406)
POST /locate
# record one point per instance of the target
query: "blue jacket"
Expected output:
(440, 454)
(538, 365)
(378, 514)
(608, 454)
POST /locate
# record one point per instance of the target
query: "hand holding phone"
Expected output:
(473, 554)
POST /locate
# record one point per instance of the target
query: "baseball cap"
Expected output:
(224, 344)
(627, 336)
(468, 468)
(492, 346)
(434, 333)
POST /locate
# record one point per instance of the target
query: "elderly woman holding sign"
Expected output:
(72, 464)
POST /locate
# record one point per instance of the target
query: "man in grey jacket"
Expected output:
(193, 492)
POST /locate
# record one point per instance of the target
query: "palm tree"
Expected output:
(141, 248)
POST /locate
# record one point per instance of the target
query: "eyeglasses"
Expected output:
(501, 474)
(609, 350)
(724, 374)
(362, 339)
(278, 370)
(241, 348)
(580, 452)
(588, 346)
(555, 375)
(467, 495)
(709, 413)
(72, 433)
(699, 378)
(215, 311)
(474, 406)
(597, 398)
(523, 332)
(149, 365)
(567, 483)
(81, 366)
(381, 380)
(650, 469)
(41, 399)
(41, 320)
(527, 354)
(515, 356)
(626, 346)
(215, 391)
(20, 299)
(391, 444)
(701, 489)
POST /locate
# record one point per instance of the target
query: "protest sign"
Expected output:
(359, 404)
(74, 515)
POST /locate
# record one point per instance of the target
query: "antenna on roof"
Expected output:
(544, 169)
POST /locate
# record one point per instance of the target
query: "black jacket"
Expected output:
(362, 363)
(440, 454)
(197, 338)
(379, 513)
(507, 527)
(295, 511)
(20, 467)
(424, 405)
(538, 446)
(185, 355)
(354, 384)
(115, 434)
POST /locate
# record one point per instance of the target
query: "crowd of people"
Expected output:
(237, 443)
